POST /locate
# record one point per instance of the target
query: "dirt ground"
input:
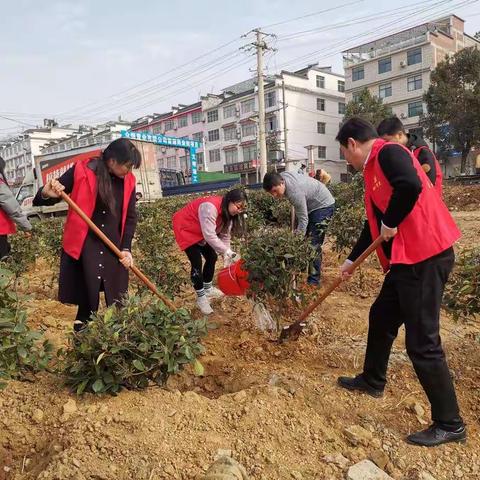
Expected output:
(275, 407)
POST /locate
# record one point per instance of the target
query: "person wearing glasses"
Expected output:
(203, 230)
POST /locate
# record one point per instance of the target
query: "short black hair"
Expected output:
(390, 126)
(270, 180)
(358, 129)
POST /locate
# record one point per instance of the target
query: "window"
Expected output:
(248, 105)
(321, 127)
(230, 133)
(212, 116)
(157, 130)
(172, 163)
(414, 83)
(231, 156)
(342, 156)
(213, 135)
(271, 124)
(414, 56)
(270, 99)
(184, 164)
(321, 104)
(200, 158)
(358, 73)
(198, 137)
(248, 129)
(169, 125)
(385, 65)
(322, 152)
(183, 121)
(229, 112)
(415, 109)
(196, 117)
(249, 153)
(214, 155)
(356, 96)
(341, 86)
(385, 90)
(341, 108)
(320, 81)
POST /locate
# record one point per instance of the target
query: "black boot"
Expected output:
(358, 383)
(435, 435)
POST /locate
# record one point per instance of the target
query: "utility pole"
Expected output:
(285, 142)
(311, 160)
(261, 46)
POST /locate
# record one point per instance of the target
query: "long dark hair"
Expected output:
(2, 170)
(124, 152)
(235, 195)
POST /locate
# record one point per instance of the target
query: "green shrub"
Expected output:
(275, 259)
(48, 235)
(21, 349)
(462, 293)
(131, 346)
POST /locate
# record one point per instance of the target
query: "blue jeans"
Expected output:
(318, 221)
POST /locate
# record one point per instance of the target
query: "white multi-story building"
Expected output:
(397, 68)
(303, 113)
(20, 152)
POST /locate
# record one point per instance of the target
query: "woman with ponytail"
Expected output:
(202, 229)
(11, 214)
(104, 188)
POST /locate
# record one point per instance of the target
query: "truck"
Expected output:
(53, 165)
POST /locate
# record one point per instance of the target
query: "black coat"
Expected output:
(97, 269)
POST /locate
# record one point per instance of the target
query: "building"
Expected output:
(397, 68)
(19, 153)
(183, 121)
(303, 113)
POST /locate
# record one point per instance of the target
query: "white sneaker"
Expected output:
(204, 305)
(213, 292)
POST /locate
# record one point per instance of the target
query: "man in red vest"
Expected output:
(392, 130)
(417, 255)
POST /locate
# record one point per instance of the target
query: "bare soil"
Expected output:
(276, 407)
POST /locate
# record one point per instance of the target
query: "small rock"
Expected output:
(380, 458)
(70, 407)
(366, 470)
(76, 462)
(297, 475)
(337, 459)
(425, 476)
(225, 468)
(357, 435)
(418, 409)
(222, 452)
(38, 415)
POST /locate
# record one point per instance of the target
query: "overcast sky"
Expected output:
(88, 61)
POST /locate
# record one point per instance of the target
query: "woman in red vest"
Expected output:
(417, 255)
(202, 229)
(104, 188)
(10, 213)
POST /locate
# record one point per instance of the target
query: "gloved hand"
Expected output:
(230, 257)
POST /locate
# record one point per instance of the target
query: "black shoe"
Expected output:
(434, 435)
(358, 383)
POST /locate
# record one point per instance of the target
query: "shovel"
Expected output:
(294, 330)
(151, 286)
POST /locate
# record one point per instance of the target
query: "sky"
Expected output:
(90, 61)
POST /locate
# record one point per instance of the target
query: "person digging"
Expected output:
(417, 256)
(314, 207)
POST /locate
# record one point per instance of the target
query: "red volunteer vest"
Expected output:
(186, 225)
(7, 226)
(84, 194)
(427, 230)
(438, 168)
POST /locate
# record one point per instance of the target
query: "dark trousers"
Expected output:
(412, 295)
(318, 221)
(4, 247)
(197, 274)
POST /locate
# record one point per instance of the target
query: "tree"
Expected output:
(368, 107)
(453, 104)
